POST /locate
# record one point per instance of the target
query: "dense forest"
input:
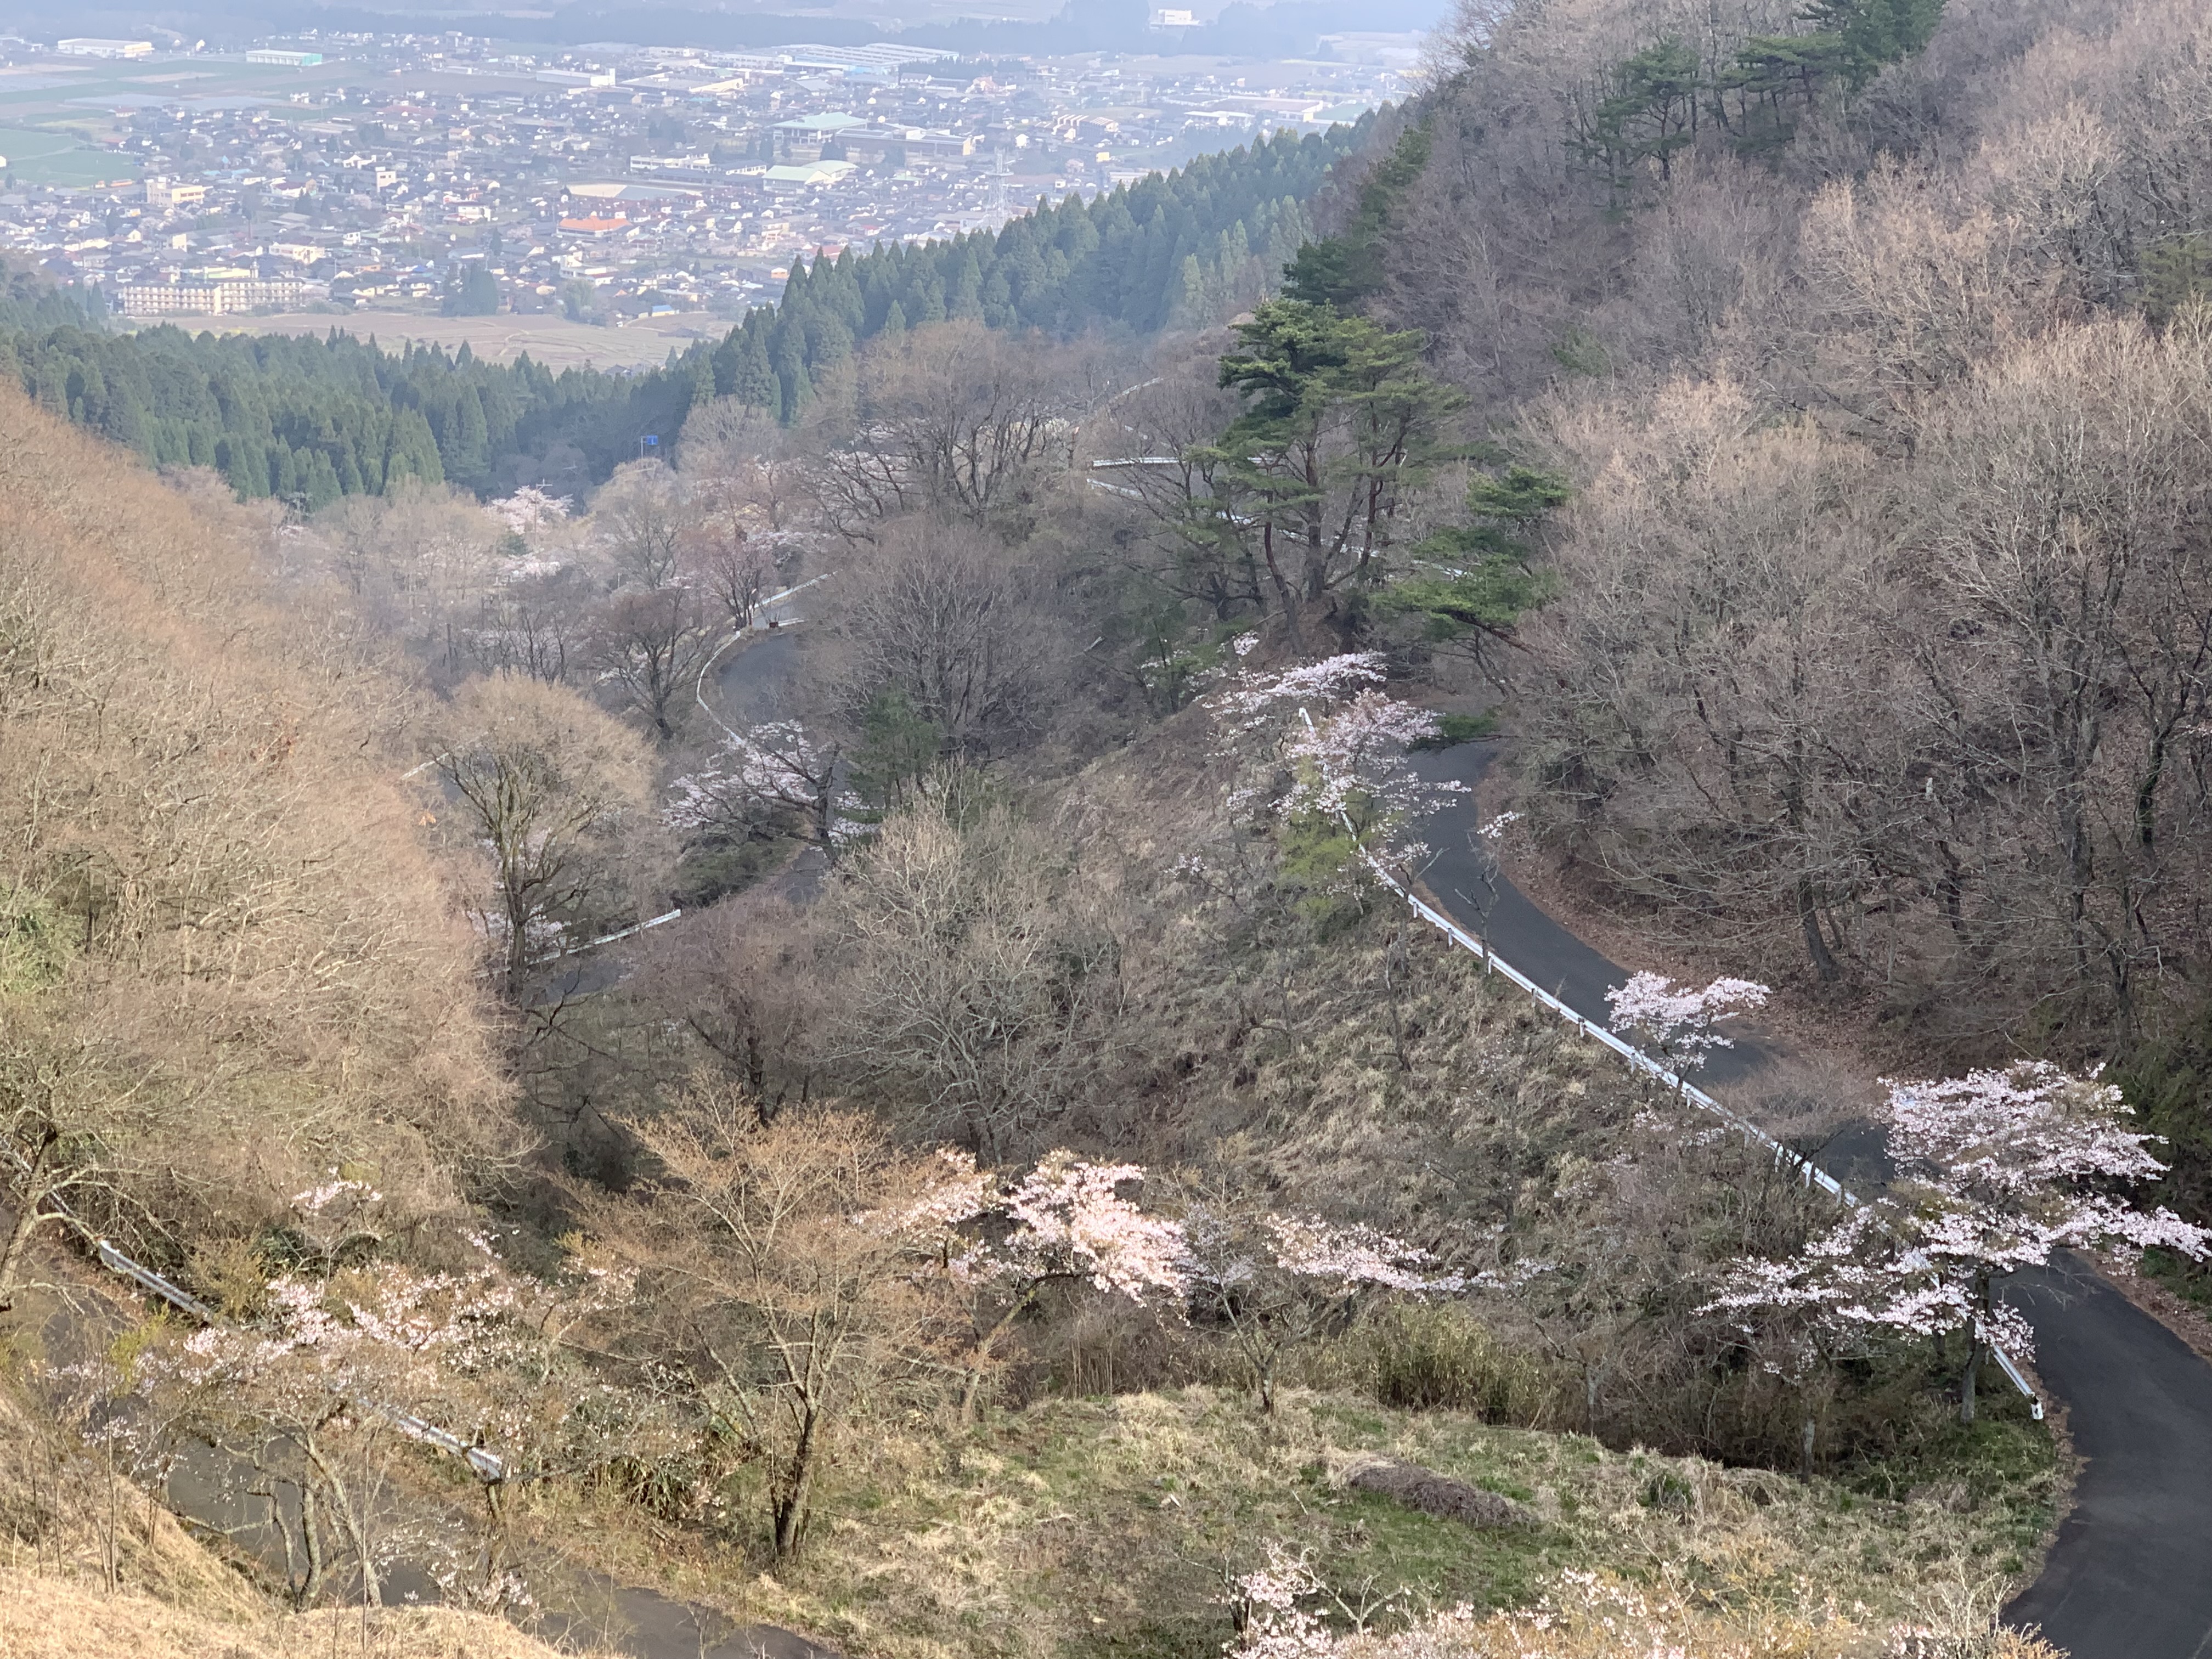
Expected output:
(1182, 248)
(308, 420)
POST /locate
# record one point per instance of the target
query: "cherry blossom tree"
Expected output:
(1351, 766)
(2010, 1166)
(347, 1355)
(1066, 1222)
(773, 768)
(1252, 699)
(296, 1394)
(1280, 1281)
(1996, 1170)
(1327, 728)
(530, 509)
(1679, 1022)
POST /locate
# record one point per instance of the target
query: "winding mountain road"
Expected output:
(2131, 1574)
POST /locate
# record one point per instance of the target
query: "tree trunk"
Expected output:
(980, 1355)
(790, 1505)
(1284, 595)
(311, 1540)
(11, 1254)
(350, 1521)
(517, 944)
(1966, 1380)
(27, 1218)
(1816, 945)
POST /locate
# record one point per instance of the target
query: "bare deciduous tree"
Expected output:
(547, 782)
(973, 973)
(754, 1267)
(963, 421)
(944, 616)
(651, 643)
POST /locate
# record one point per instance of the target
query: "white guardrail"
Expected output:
(1784, 1157)
(759, 624)
(490, 1466)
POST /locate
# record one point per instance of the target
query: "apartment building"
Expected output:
(204, 297)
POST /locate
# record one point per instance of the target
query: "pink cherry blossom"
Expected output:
(1251, 698)
(1679, 1022)
(774, 765)
(1997, 1171)
(1353, 763)
(1067, 1219)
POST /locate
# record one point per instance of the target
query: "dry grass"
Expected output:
(222, 945)
(45, 1618)
(1080, 1528)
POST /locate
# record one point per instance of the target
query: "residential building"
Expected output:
(701, 164)
(809, 175)
(208, 297)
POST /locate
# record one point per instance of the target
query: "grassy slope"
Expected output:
(1083, 1528)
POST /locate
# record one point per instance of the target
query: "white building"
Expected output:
(92, 46)
(284, 59)
(684, 164)
(167, 193)
(208, 298)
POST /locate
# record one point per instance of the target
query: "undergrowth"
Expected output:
(1080, 1528)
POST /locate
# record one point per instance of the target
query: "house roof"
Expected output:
(820, 123)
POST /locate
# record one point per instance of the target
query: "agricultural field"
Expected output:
(549, 339)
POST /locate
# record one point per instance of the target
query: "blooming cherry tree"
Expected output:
(1996, 1170)
(2007, 1166)
(1279, 1281)
(530, 509)
(774, 767)
(1252, 699)
(312, 1389)
(1342, 743)
(1680, 1022)
(1351, 766)
(1065, 1222)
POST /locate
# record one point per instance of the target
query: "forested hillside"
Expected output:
(1867, 342)
(306, 420)
(1183, 248)
(845, 997)
(1931, 372)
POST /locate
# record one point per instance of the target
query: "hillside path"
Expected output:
(2130, 1576)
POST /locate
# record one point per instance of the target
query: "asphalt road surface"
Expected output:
(2131, 1574)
